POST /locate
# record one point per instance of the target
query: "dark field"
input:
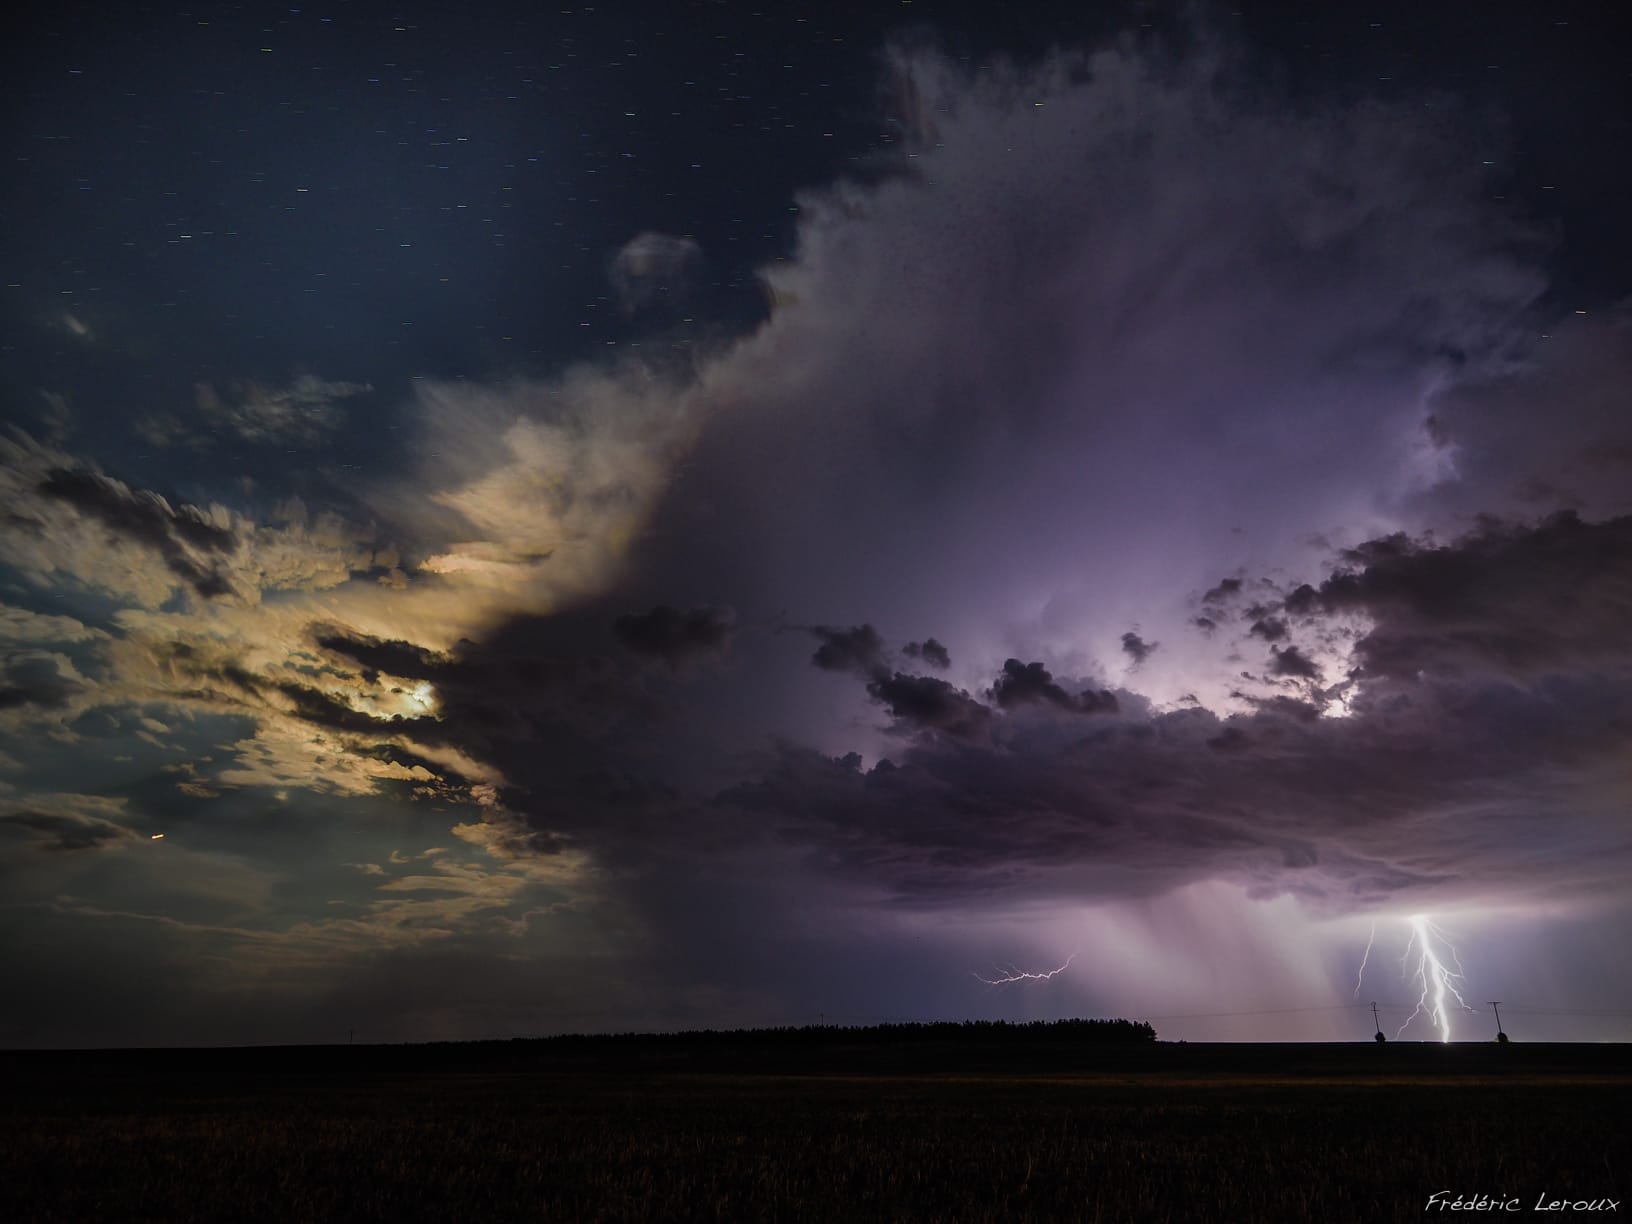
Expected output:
(510, 1132)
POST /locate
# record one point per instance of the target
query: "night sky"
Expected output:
(524, 519)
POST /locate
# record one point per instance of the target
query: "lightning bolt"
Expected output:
(1437, 981)
(1361, 977)
(1011, 974)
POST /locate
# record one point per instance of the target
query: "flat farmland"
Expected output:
(1164, 1133)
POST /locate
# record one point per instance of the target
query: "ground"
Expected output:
(1159, 1133)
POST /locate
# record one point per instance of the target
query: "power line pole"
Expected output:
(1378, 1023)
(1495, 1006)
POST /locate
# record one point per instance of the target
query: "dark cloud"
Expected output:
(65, 831)
(1101, 701)
(957, 822)
(375, 655)
(565, 742)
(1270, 628)
(1226, 590)
(178, 534)
(930, 703)
(1291, 791)
(1509, 600)
(1136, 648)
(1303, 601)
(38, 678)
(1290, 661)
(1429, 788)
(1023, 683)
(534, 695)
(858, 649)
(1282, 706)
(674, 636)
(205, 672)
(1395, 801)
(332, 710)
(930, 651)
(1027, 682)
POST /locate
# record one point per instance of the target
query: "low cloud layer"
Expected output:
(1475, 757)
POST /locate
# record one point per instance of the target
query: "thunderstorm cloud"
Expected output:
(620, 666)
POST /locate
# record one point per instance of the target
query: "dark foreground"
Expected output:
(1160, 1133)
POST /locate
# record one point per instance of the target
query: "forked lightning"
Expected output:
(1436, 979)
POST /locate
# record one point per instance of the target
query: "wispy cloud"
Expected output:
(300, 414)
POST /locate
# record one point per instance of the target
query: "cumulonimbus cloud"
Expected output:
(1117, 324)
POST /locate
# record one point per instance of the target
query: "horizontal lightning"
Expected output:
(1008, 974)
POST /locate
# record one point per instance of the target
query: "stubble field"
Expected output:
(1181, 1136)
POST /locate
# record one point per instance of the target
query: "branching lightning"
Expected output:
(1436, 979)
(1008, 974)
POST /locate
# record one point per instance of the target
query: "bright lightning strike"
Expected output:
(1361, 977)
(1437, 981)
(1009, 974)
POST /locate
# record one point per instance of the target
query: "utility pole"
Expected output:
(1501, 1037)
(1379, 1037)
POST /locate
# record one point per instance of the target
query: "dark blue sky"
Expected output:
(381, 191)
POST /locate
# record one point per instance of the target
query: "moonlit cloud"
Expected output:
(18, 625)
